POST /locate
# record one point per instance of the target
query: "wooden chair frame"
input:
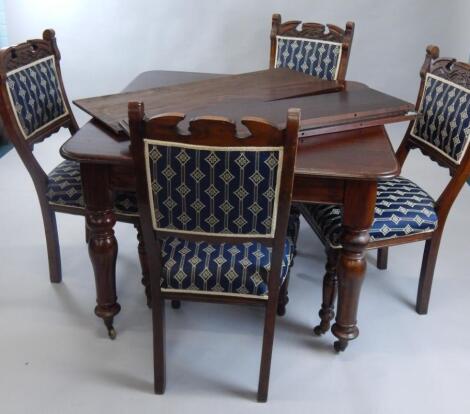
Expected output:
(12, 58)
(317, 31)
(217, 132)
(459, 73)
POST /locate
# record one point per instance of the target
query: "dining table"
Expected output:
(343, 152)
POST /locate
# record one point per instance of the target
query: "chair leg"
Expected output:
(158, 317)
(330, 288)
(266, 353)
(382, 258)
(87, 234)
(294, 227)
(144, 265)
(53, 247)
(431, 250)
(283, 299)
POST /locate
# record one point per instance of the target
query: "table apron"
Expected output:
(306, 189)
(318, 190)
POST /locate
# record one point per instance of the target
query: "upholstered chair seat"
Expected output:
(64, 188)
(402, 208)
(226, 268)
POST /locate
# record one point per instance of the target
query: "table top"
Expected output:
(339, 145)
(237, 90)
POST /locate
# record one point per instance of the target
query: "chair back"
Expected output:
(441, 129)
(315, 49)
(209, 184)
(32, 97)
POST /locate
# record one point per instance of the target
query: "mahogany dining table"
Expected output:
(343, 152)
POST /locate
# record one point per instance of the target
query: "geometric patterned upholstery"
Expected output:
(65, 188)
(35, 93)
(225, 268)
(444, 121)
(213, 190)
(318, 58)
(402, 208)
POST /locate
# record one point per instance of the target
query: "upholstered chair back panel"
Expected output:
(36, 95)
(212, 190)
(318, 58)
(443, 121)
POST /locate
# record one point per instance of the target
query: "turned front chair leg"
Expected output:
(428, 265)
(330, 287)
(382, 258)
(358, 214)
(102, 246)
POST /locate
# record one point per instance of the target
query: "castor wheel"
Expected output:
(111, 330)
(340, 346)
(112, 333)
(319, 331)
(175, 304)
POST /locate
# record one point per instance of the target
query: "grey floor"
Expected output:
(55, 356)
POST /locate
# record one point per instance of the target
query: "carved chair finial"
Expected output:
(432, 53)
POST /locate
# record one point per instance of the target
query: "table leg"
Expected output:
(102, 245)
(358, 214)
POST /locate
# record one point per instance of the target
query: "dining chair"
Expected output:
(404, 212)
(317, 50)
(214, 208)
(33, 107)
(311, 48)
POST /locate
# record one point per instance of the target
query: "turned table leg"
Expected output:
(102, 245)
(358, 214)
(330, 287)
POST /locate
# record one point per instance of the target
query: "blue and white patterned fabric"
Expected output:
(318, 58)
(213, 190)
(35, 92)
(444, 117)
(402, 208)
(65, 189)
(230, 269)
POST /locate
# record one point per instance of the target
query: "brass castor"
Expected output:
(175, 304)
(340, 346)
(111, 330)
(112, 333)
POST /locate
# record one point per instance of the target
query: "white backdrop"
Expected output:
(105, 43)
